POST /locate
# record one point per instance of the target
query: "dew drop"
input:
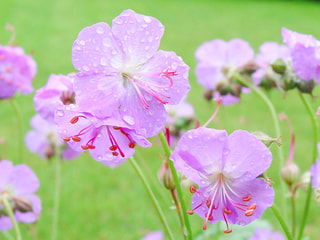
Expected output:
(242, 223)
(99, 157)
(106, 42)
(251, 163)
(60, 113)
(99, 30)
(85, 68)
(144, 25)
(150, 38)
(118, 21)
(186, 166)
(99, 135)
(147, 19)
(190, 137)
(128, 119)
(81, 42)
(174, 65)
(147, 48)
(226, 152)
(114, 52)
(103, 61)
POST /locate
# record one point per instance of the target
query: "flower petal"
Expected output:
(238, 52)
(199, 153)
(248, 157)
(5, 223)
(291, 38)
(24, 180)
(29, 217)
(96, 51)
(6, 169)
(209, 75)
(139, 35)
(213, 52)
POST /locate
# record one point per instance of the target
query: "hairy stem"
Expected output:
(315, 128)
(152, 196)
(177, 184)
(8, 209)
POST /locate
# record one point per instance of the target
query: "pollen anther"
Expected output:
(247, 198)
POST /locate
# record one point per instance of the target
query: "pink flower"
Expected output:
(226, 169)
(109, 140)
(18, 185)
(121, 70)
(17, 71)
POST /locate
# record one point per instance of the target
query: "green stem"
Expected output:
(276, 124)
(55, 216)
(153, 198)
(315, 128)
(178, 207)
(293, 209)
(8, 208)
(177, 184)
(20, 130)
(282, 222)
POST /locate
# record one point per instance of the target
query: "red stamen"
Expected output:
(210, 218)
(66, 139)
(190, 212)
(229, 230)
(247, 198)
(252, 206)
(132, 145)
(85, 147)
(193, 189)
(76, 139)
(249, 212)
(74, 119)
(115, 154)
(227, 211)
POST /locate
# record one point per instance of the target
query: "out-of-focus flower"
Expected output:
(266, 234)
(270, 52)
(315, 172)
(44, 139)
(154, 236)
(305, 53)
(58, 91)
(18, 185)
(109, 140)
(218, 61)
(226, 169)
(122, 64)
(179, 118)
(17, 71)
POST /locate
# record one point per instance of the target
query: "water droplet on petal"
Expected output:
(99, 157)
(103, 61)
(99, 30)
(147, 19)
(60, 113)
(150, 38)
(81, 42)
(128, 119)
(106, 42)
(147, 48)
(242, 223)
(174, 65)
(85, 68)
(190, 136)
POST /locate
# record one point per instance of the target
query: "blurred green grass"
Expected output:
(102, 203)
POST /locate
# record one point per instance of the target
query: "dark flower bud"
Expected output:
(279, 66)
(207, 94)
(22, 204)
(306, 86)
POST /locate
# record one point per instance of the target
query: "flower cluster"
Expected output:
(18, 185)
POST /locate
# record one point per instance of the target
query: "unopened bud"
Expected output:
(267, 140)
(49, 151)
(165, 176)
(317, 195)
(304, 181)
(279, 66)
(207, 94)
(22, 204)
(306, 86)
(290, 173)
(249, 67)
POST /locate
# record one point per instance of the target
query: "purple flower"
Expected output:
(269, 52)
(57, 92)
(305, 53)
(226, 169)
(17, 71)
(121, 69)
(18, 185)
(263, 234)
(154, 236)
(315, 171)
(44, 138)
(218, 61)
(109, 140)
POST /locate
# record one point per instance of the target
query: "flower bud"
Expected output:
(208, 95)
(267, 140)
(290, 173)
(306, 86)
(165, 176)
(22, 204)
(317, 195)
(305, 181)
(279, 66)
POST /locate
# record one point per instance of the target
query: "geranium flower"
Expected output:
(44, 139)
(18, 185)
(121, 70)
(315, 171)
(217, 62)
(266, 234)
(17, 71)
(269, 52)
(57, 92)
(305, 53)
(109, 140)
(226, 169)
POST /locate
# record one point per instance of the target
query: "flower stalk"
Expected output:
(8, 208)
(167, 151)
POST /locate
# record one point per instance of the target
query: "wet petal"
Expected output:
(291, 38)
(248, 156)
(139, 35)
